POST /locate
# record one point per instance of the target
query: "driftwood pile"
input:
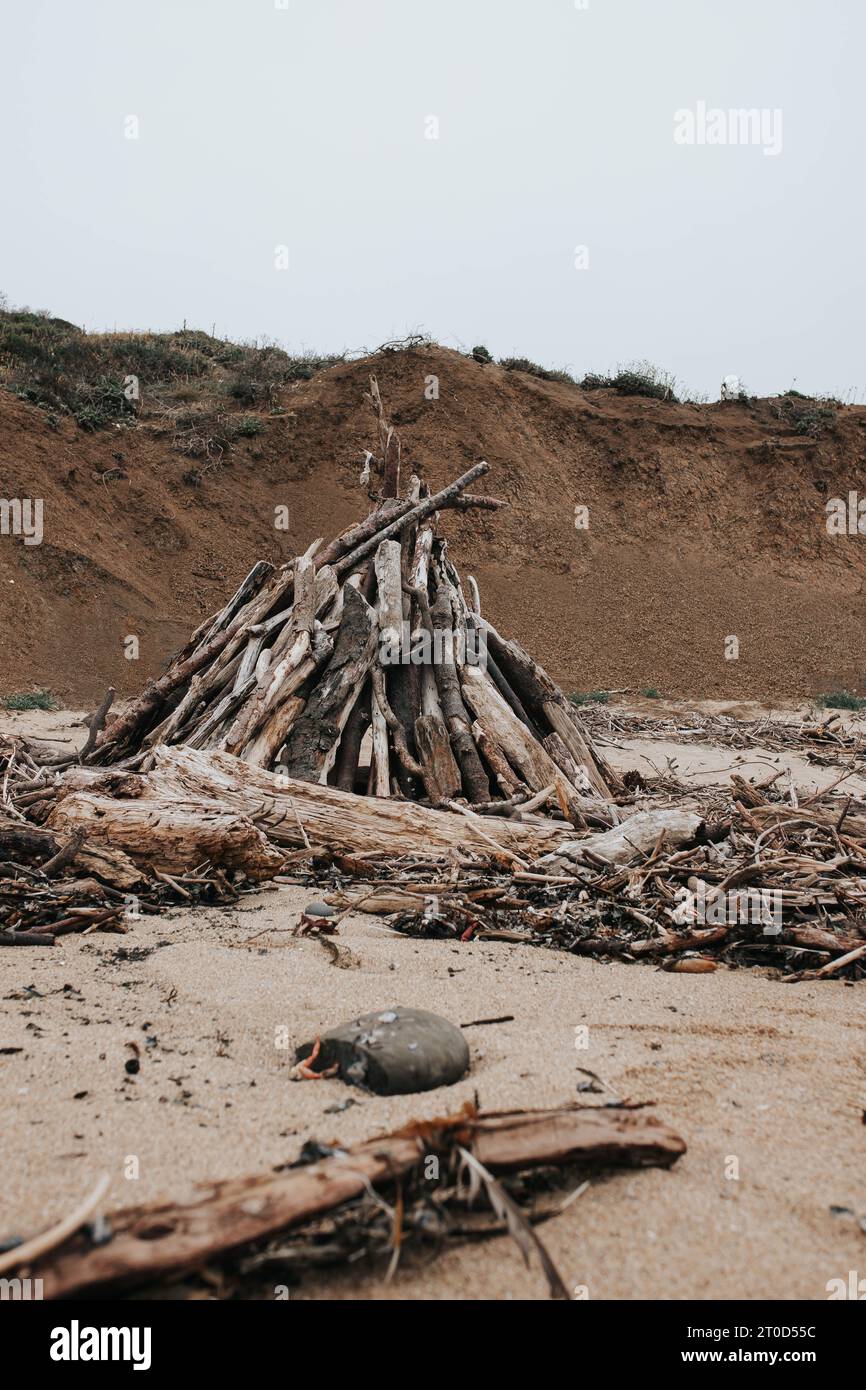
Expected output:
(353, 719)
(370, 635)
(767, 887)
(53, 882)
(659, 882)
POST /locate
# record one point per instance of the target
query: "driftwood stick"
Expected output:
(96, 724)
(423, 509)
(26, 938)
(397, 731)
(311, 748)
(231, 1215)
(66, 854)
(40, 1245)
(350, 823)
(475, 780)
(441, 774)
(392, 509)
(349, 752)
(486, 504)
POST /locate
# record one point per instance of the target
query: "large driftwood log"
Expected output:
(158, 1239)
(502, 727)
(170, 836)
(330, 816)
(111, 866)
(312, 744)
(543, 698)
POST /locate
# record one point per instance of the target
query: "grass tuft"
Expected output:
(594, 697)
(841, 699)
(29, 699)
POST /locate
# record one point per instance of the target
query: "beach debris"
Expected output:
(373, 1201)
(631, 839)
(317, 917)
(303, 1068)
(353, 719)
(392, 1051)
(372, 635)
(757, 880)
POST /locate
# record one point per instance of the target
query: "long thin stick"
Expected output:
(55, 1235)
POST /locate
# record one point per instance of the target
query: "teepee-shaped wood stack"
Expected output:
(364, 665)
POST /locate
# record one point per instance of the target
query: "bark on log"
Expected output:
(154, 1240)
(330, 816)
(475, 781)
(441, 773)
(349, 753)
(312, 744)
(171, 836)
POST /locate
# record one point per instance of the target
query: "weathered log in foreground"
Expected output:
(362, 666)
(170, 835)
(195, 806)
(153, 1241)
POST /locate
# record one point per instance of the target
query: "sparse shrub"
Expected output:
(482, 355)
(55, 365)
(248, 427)
(523, 364)
(650, 692)
(101, 404)
(246, 390)
(202, 434)
(805, 415)
(29, 699)
(635, 379)
(841, 699)
(592, 697)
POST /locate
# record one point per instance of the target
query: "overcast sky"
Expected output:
(306, 125)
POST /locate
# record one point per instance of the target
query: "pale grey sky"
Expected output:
(304, 123)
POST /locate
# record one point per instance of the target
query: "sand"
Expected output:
(760, 1078)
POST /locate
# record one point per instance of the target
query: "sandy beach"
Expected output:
(763, 1079)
